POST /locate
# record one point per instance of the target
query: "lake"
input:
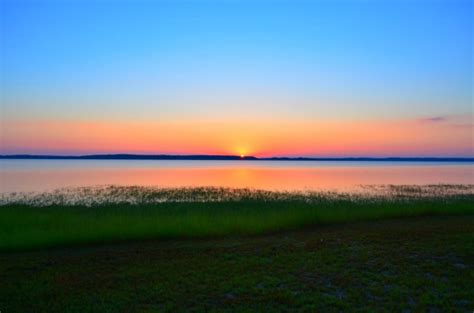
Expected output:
(46, 175)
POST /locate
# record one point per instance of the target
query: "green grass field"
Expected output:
(410, 264)
(193, 213)
(135, 249)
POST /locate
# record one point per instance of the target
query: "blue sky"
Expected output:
(169, 60)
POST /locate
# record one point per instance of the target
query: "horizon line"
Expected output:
(131, 156)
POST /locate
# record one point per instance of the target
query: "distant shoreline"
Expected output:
(229, 158)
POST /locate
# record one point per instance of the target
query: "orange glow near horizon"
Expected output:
(249, 175)
(259, 138)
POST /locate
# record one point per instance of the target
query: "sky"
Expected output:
(263, 78)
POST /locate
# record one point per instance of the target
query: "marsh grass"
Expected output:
(111, 213)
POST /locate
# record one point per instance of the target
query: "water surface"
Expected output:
(46, 175)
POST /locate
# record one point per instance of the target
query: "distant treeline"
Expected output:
(226, 157)
(129, 157)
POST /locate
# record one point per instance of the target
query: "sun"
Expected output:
(241, 152)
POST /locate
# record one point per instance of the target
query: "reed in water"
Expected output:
(112, 213)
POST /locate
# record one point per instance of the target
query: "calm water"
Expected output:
(44, 175)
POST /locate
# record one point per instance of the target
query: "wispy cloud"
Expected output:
(434, 119)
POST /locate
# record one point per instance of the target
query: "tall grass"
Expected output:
(123, 213)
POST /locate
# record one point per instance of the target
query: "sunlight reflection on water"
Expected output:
(44, 175)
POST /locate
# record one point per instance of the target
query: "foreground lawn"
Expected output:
(405, 264)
